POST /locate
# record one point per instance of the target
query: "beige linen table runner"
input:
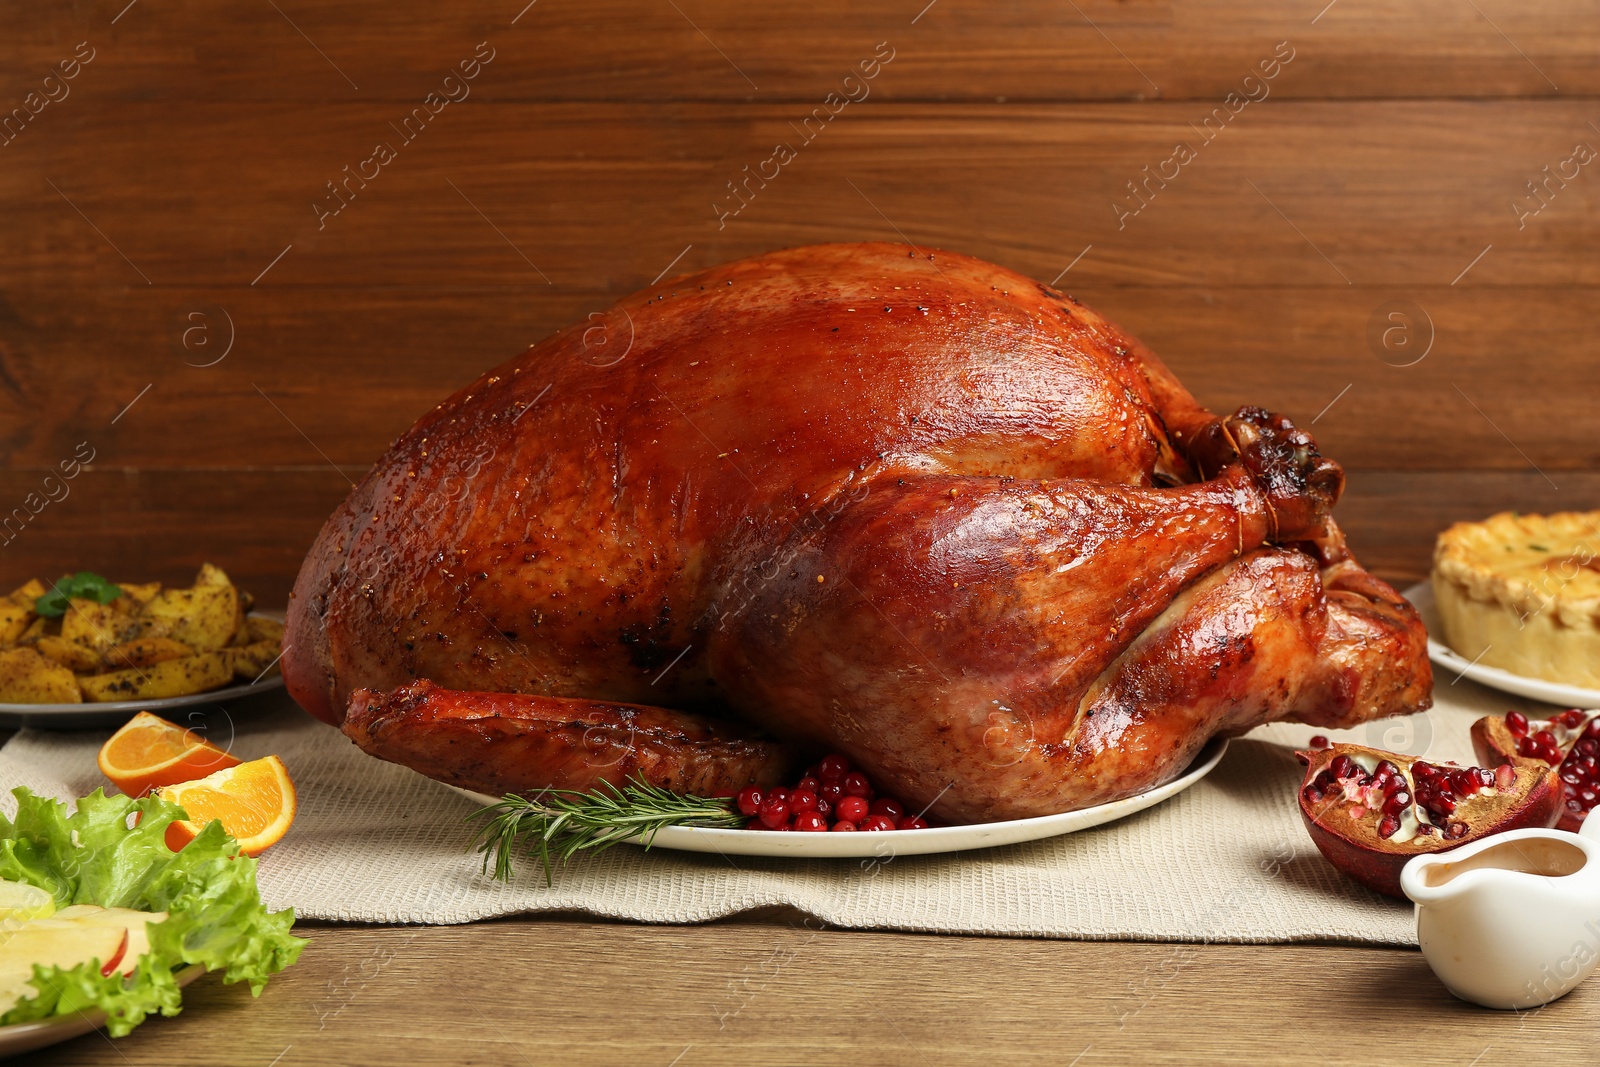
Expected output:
(1227, 860)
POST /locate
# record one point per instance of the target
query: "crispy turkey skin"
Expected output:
(911, 506)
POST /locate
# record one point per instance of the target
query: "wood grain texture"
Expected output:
(743, 992)
(730, 51)
(1390, 194)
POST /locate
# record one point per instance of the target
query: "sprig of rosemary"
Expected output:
(563, 822)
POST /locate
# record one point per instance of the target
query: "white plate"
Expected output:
(88, 716)
(26, 1037)
(1570, 696)
(917, 842)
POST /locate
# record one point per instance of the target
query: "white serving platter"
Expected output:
(935, 839)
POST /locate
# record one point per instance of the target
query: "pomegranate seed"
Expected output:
(1504, 776)
(808, 784)
(1485, 776)
(1342, 766)
(834, 766)
(1427, 829)
(1466, 784)
(1528, 748)
(810, 822)
(832, 789)
(1592, 731)
(1313, 794)
(1319, 741)
(1588, 746)
(1589, 795)
(1571, 719)
(749, 800)
(1385, 767)
(851, 809)
(1517, 723)
(1545, 737)
(1388, 826)
(1420, 769)
(1396, 803)
(856, 784)
(1323, 780)
(888, 806)
(1444, 805)
(912, 822)
(844, 826)
(878, 823)
(1575, 805)
(1456, 830)
(774, 813)
(1571, 777)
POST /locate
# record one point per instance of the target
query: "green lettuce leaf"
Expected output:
(112, 852)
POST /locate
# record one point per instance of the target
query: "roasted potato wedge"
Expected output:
(145, 652)
(170, 678)
(92, 624)
(28, 678)
(39, 627)
(71, 654)
(264, 629)
(28, 593)
(202, 617)
(250, 661)
(136, 594)
(14, 619)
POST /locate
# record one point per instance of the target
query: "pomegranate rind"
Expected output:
(1533, 800)
(1495, 744)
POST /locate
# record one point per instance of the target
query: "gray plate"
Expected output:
(88, 716)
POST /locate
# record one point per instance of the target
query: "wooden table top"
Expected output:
(186, 294)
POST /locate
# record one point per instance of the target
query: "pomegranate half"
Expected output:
(1569, 741)
(1369, 811)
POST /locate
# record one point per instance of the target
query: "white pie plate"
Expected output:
(1570, 696)
(26, 1037)
(935, 839)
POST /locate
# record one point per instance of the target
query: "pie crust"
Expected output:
(1522, 593)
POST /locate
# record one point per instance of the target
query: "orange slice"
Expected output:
(254, 801)
(150, 752)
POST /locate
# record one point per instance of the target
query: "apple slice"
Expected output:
(52, 943)
(20, 901)
(136, 923)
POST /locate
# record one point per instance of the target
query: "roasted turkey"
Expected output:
(909, 506)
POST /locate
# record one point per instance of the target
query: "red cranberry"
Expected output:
(810, 772)
(810, 822)
(832, 789)
(778, 793)
(1517, 723)
(1319, 741)
(844, 826)
(912, 822)
(802, 800)
(808, 784)
(834, 766)
(856, 785)
(878, 822)
(851, 809)
(774, 813)
(824, 809)
(750, 798)
(888, 806)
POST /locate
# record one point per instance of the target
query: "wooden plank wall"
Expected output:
(161, 203)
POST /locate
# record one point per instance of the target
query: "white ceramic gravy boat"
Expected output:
(1513, 920)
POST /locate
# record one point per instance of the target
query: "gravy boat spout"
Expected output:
(1512, 920)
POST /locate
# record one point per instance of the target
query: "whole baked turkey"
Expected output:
(909, 506)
